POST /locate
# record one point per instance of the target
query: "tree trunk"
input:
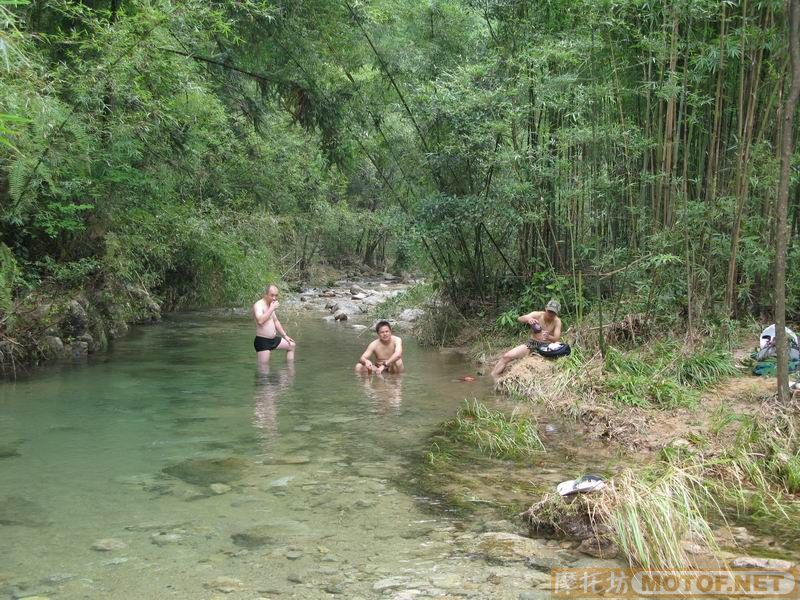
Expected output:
(782, 203)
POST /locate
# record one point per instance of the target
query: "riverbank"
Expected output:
(654, 418)
(720, 442)
(47, 326)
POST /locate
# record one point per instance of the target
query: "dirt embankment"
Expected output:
(631, 428)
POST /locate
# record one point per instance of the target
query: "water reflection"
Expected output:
(270, 385)
(385, 391)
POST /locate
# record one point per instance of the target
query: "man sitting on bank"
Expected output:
(388, 351)
(545, 329)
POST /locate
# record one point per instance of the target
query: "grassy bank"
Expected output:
(703, 446)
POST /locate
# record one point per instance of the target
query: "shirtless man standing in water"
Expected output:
(388, 350)
(268, 327)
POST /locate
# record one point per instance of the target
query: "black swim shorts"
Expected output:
(262, 344)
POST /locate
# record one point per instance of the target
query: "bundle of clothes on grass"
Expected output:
(765, 359)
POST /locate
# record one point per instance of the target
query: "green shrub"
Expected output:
(8, 275)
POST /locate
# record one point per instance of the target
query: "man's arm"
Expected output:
(397, 354)
(527, 318)
(282, 331)
(262, 315)
(364, 360)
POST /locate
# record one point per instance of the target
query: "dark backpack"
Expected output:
(562, 350)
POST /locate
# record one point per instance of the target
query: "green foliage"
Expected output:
(493, 432)
(70, 274)
(55, 219)
(705, 367)
(8, 275)
(515, 152)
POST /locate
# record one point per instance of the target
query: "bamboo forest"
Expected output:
(520, 274)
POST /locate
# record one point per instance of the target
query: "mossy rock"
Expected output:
(205, 471)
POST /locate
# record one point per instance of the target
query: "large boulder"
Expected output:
(374, 300)
(75, 321)
(145, 308)
(52, 346)
(77, 350)
(356, 289)
(348, 307)
(411, 315)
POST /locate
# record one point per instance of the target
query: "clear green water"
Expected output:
(94, 440)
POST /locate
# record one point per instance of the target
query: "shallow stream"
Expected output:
(170, 468)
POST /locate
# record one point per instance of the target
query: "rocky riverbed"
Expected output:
(355, 302)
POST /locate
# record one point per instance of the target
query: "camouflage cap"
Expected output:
(553, 306)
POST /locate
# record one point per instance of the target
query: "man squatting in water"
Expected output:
(388, 350)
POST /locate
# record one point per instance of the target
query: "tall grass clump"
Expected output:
(647, 514)
(758, 473)
(652, 514)
(494, 433)
(633, 380)
(705, 367)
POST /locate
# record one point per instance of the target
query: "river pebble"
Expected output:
(108, 545)
(224, 584)
(389, 583)
(164, 539)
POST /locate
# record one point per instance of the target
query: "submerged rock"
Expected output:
(280, 483)
(767, 564)
(164, 539)
(220, 488)
(109, 544)
(205, 471)
(57, 578)
(15, 510)
(290, 459)
(226, 585)
(269, 533)
(503, 548)
(599, 548)
(255, 537)
(8, 451)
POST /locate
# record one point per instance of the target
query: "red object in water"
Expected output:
(467, 378)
